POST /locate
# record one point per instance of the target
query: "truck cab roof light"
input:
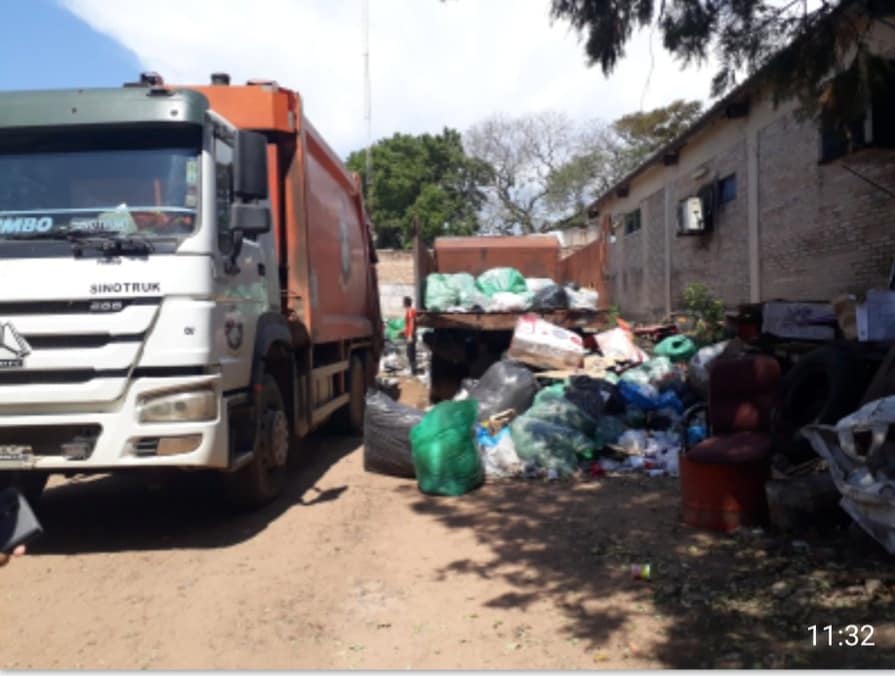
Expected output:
(220, 79)
(147, 79)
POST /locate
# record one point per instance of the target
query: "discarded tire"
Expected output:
(822, 387)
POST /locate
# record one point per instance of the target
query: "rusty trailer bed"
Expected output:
(581, 320)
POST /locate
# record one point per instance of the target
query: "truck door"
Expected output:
(241, 272)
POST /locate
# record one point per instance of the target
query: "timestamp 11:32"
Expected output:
(851, 635)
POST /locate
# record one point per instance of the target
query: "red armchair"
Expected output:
(722, 477)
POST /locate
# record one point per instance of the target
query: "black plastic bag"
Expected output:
(387, 426)
(506, 384)
(550, 298)
(594, 396)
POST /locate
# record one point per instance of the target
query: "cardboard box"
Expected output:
(800, 321)
(876, 316)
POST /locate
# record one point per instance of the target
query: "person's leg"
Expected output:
(411, 354)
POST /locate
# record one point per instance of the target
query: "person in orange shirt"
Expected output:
(410, 332)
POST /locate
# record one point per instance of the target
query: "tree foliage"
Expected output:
(748, 36)
(427, 176)
(639, 135)
(547, 168)
(522, 152)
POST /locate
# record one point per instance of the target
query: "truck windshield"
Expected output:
(141, 182)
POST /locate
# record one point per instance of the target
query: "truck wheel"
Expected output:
(263, 478)
(30, 484)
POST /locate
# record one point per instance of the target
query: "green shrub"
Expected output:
(707, 312)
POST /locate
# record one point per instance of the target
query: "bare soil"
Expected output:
(355, 570)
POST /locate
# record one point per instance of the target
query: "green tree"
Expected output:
(426, 176)
(639, 135)
(795, 49)
(604, 155)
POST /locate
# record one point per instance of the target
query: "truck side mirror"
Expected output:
(250, 219)
(250, 166)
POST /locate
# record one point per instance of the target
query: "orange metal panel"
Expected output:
(254, 106)
(586, 267)
(320, 226)
(532, 256)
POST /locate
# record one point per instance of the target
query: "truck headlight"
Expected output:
(194, 406)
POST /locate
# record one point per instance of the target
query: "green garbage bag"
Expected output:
(676, 348)
(550, 392)
(440, 293)
(469, 296)
(556, 409)
(549, 446)
(394, 328)
(443, 449)
(496, 280)
(609, 430)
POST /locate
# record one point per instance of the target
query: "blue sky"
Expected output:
(48, 47)
(433, 64)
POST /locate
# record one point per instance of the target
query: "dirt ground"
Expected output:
(356, 570)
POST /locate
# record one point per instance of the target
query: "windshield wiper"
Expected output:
(81, 239)
(116, 244)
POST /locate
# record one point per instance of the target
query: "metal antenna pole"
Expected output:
(368, 116)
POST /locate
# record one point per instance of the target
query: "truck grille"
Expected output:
(48, 439)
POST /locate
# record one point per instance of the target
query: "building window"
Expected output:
(838, 138)
(727, 189)
(632, 221)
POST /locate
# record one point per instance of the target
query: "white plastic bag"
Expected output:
(617, 344)
(698, 373)
(634, 441)
(536, 284)
(504, 301)
(583, 299)
(499, 459)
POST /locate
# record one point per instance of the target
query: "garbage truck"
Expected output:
(187, 280)
(464, 344)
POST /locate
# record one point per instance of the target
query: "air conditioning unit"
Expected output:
(691, 220)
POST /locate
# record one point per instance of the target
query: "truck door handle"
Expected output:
(262, 270)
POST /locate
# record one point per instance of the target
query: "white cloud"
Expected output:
(433, 63)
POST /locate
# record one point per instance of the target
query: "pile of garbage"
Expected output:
(551, 409)
(503, 290)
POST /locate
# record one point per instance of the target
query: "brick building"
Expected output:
(793, 217)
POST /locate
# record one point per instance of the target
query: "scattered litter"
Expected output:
(617, 344)
(641, 571)
(498, 453)
(865, 477)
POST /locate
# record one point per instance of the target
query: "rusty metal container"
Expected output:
(533, 256)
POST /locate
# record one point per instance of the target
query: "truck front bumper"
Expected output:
(81, 441)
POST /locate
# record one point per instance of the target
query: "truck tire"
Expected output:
(351, 417)
(262, 480)
(30, 484)
(824, 385)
